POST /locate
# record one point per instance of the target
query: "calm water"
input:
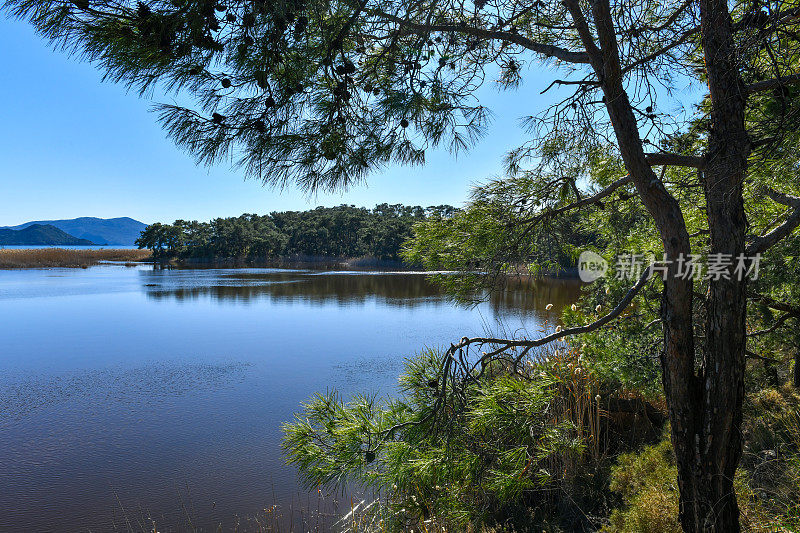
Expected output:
(128, 393)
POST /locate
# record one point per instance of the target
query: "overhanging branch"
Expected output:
(774, 83)
(657, 159)
(506, 344)
(581, 203)
(663, 50)
(547, 50)
(765, 242)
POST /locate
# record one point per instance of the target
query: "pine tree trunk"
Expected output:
(796, 378)
(708, 461)
(706, 403)
(704, 397)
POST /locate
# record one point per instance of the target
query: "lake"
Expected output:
(130, 394)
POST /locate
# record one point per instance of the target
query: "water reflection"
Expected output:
(526, 297)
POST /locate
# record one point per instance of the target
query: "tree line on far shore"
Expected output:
(336, 232)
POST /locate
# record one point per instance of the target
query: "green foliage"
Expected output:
(320, 93)
(493, 238)
(767, 483)
(335, 232)
(523, 224)
(506, 450)
(626, 354)
(313, 91)
(646, 482)
(772, 452)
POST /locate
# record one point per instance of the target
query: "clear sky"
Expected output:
(73, 146)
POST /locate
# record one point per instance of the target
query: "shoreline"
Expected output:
(24, 258)
(338, 263)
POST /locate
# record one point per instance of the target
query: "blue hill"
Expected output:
(40, 234)
(112, 231)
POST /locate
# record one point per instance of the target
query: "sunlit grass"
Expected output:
(61, 257)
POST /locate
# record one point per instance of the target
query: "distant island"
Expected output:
(40, 234)
(122, 231)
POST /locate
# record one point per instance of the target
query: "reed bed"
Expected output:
(65, 258)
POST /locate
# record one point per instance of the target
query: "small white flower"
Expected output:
(558, 329)
(574, 307)
(598, 308)
(548, 306)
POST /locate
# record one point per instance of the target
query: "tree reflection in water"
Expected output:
(404, 289)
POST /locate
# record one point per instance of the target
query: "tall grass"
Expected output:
(61, 257)
(767, 482)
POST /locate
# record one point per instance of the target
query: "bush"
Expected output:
(767, 483)
(511, 448)
(646, 483)
(772, 453)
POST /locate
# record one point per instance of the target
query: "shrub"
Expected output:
(516, 447)
(767, 483)
(772, 453)
(646, 482)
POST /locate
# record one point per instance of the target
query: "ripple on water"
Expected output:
(149, 383)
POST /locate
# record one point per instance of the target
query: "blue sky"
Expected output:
(73, 146)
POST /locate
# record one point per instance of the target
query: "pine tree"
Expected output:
(320, 93)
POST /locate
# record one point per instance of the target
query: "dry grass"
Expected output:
(61, 257)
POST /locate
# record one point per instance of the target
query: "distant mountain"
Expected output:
(114, 231)
(40, 234)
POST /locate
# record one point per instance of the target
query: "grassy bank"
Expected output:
(61, 257)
